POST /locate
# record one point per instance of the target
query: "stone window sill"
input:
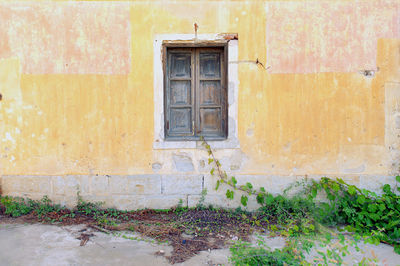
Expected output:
(232, 143)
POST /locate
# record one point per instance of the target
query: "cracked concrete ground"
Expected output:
(38, 244)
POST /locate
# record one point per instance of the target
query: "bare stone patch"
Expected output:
(183, 162)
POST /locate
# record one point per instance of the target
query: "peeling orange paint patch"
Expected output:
(67, 38)
(328, 36)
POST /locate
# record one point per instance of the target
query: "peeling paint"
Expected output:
(67, 37)
(328, 36)
(8, 137)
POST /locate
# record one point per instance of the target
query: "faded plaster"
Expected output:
(67, 37)
(345, 39)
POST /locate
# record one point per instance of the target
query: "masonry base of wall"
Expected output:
(130, 192)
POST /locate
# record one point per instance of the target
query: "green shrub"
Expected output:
(15, 206)
(295, 214)
(89, 208)
(44, 206)
(376, 217)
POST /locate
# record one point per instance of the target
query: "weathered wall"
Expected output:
(77, 80)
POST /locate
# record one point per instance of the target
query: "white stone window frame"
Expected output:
(159, 142)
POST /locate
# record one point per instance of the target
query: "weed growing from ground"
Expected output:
(200, 204)
(243, 253)
(44, 206)
(15, 206)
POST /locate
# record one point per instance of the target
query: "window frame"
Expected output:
(195, 48)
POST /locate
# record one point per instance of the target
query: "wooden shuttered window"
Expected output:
(195, 93)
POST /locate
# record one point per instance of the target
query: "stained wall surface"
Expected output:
(78, 103)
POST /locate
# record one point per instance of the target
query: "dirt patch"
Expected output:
(187, 231)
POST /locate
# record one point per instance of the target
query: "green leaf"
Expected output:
(335, 187)
(229, 194)
(374, 216)
(361, 199)
(244, 200)
(212, 171)
(210, 160)
(392, 224)
(311, 227)
(352, 190)
(331, 197)
(314, 192)
(340, 181)
(217, 186)
(398, 178)
(372, 208)
(387, 189)
(260, 198)
(234, 181)
(269, 199)
(397, 249)
(249, 185)
(262, 189)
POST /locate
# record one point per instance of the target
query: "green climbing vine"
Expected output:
(373, 217)
(232, 182)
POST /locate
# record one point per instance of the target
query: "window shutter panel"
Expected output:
(195, 93)
(210, 92)
(179, 92)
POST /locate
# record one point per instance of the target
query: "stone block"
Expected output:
(181, 184)
(70, 185)
(373, 182)
(28, 195)
(272, 184)
(118, 184)
(256, 180)
(350, 179)
(210, 183)
(144, 184)
(223, 202)
(11, 184)
(102, 200)
(99, 185)
(58, 183)
(279, 183)
(27, 184)
(127, 202)
(67, 201)
(136, 185)
(183, 162)
(135, 202)
(165, 201)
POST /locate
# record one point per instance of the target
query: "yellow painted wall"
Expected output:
(79, 122)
